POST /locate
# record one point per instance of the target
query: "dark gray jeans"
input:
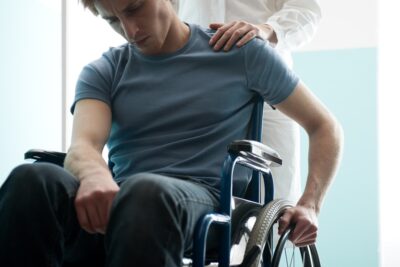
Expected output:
(151, 223)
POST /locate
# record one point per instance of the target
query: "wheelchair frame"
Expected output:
(259, 158)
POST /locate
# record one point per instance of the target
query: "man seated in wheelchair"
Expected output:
(167, 106)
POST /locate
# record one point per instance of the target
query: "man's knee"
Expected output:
(24, 179)
(145, 211)
(30, 175)
(31, 181)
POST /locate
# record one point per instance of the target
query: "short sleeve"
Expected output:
(95, 81)
(266, 72)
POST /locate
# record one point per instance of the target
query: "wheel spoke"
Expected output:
(286, 257)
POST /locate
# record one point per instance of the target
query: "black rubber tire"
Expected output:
(262, 229)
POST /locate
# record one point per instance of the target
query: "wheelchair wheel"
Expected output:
(243, 219)
(283, 253)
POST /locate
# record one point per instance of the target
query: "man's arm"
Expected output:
(91, 127)
(325, 145)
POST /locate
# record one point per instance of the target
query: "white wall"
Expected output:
(30, 79)
(389, 131)
(346, 24)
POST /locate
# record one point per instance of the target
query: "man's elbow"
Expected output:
(332, 131)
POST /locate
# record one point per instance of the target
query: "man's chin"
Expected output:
(149, 49)
(142, 42)
(146, 50)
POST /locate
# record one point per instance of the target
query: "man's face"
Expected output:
(143, 22)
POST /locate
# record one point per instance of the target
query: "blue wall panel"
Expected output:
(345, 80)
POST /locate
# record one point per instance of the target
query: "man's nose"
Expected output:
(130, 30)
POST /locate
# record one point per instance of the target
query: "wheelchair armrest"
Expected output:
(255, 154)
(40, 155)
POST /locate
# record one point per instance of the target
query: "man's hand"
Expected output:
(239, 32)
(306, 225)
(93, 203)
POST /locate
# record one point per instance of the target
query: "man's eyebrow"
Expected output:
(131, 6)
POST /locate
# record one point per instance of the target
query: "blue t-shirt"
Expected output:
(175, 114)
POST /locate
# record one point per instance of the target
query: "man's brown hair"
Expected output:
(90, 4)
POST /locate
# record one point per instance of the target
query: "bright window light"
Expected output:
(88, 37)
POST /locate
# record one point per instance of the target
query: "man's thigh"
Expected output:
(180, 202)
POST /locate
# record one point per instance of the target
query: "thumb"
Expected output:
(284, 222)
(216, 26)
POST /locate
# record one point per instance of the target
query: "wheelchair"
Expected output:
(245, 226)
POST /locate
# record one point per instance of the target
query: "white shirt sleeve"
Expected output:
(294, 22)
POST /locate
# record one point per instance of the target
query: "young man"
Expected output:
(167, 106)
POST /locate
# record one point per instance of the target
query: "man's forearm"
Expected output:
(324, 155)
(97, 189)
(84, 161)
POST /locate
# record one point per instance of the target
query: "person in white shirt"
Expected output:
(287, 25)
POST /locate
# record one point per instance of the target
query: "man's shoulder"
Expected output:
(202, 37)
(112, 57)
(261, 51)
(201, 30)
(200, 33)
(259, 44)
(254, 45)
(117, 51)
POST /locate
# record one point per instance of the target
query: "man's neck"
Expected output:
(177, 36)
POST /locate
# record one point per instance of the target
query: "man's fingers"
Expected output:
(309, 240)
(308, 235)
(90, 216)
(305, 241)
(103, 217)
(105, 212)
(300, 228)
(284, 221)
(305, 225)
(93, 202)
(83, 218)
(304, 232)
(94, 218)
(101, 212)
